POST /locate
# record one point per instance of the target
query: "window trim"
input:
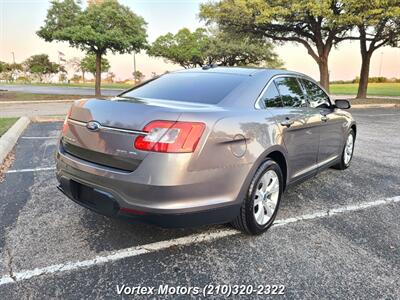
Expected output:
(265, 91)
(308, 95)
(257, 103)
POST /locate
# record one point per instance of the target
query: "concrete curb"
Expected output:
(383, 105)
(10, 138)
(44, 119)
(40, 101)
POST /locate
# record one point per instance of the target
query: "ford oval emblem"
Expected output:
(93, 126)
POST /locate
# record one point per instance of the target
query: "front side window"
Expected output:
(200, 87)
(290, 91)
(271, 97)
(316, 96)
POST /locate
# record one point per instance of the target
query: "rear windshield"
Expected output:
(208, 88)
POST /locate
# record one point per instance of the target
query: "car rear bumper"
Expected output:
(104, 203)
(182, 199)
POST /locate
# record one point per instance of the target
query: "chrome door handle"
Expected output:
(287, 123)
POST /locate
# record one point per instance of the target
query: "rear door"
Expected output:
(298, 127)
(331, 129)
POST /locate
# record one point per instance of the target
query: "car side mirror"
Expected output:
(342, 104)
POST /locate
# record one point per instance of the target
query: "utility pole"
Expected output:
(380, 66)
(13, 75)
(134, 66)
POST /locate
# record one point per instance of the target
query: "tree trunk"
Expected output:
(324, 73)
(83, 76)
(98, 74)
(364, 75)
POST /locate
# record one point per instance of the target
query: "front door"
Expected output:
(299, 128)
(331, 129)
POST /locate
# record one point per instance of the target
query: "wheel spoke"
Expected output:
(260, 214)
(265, 181)
(274, 186)
(266, 197)
(268, 210)
(271, 204)
(257, 201)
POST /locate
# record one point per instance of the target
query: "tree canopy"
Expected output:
(88, 64)
(3, 66)
(238, 49)
(201, 47)
(102, 26)
(138, 76)
(317, 25)
(41, 66)
(185, 48)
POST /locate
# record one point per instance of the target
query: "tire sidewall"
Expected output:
(252, 224)
(351, 132)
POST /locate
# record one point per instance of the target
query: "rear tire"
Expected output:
(263, 197)
(347, 153)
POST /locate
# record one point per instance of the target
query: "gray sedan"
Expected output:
(202, 146)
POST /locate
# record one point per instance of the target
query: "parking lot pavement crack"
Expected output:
(9, 263)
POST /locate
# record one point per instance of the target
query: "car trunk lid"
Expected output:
(103, 131)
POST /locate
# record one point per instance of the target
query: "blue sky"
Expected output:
(19, 19)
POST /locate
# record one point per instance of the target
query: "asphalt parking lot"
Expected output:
(337, 235)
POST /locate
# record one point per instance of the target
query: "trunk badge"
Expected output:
(93, 126)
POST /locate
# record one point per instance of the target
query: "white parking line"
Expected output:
(31, 170)
(38, 137)
(182, 241)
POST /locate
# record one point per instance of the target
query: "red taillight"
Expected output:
(65, 124)
(169, 136)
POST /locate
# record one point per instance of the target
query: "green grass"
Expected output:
(375, 101)
(17, 96)
(374, 89)
(6, 123)
(88, 84)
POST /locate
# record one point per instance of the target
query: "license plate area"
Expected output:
(92, 198)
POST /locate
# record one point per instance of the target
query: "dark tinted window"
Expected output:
(316, 96)
(204, 87)
(271, 97)
(291, 92)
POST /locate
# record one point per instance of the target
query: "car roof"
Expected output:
(244, 71)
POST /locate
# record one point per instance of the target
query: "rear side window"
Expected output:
(271, 97)
(208, 88)
(316, 96)
(291, 92)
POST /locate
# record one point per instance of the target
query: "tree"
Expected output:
(238, 49)
(378, 24)
(317, 25)
(10, 71)
(3, 66)
(185, 48)
(88, 64)
(76, 64)
(62, 77)
(110, 77)
(138, 76)
(102, 26)
(41, 66)
(199, 48)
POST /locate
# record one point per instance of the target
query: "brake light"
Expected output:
(169, 136)
(65, 124)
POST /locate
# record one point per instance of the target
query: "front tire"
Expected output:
(347, 153)
(263, 197)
